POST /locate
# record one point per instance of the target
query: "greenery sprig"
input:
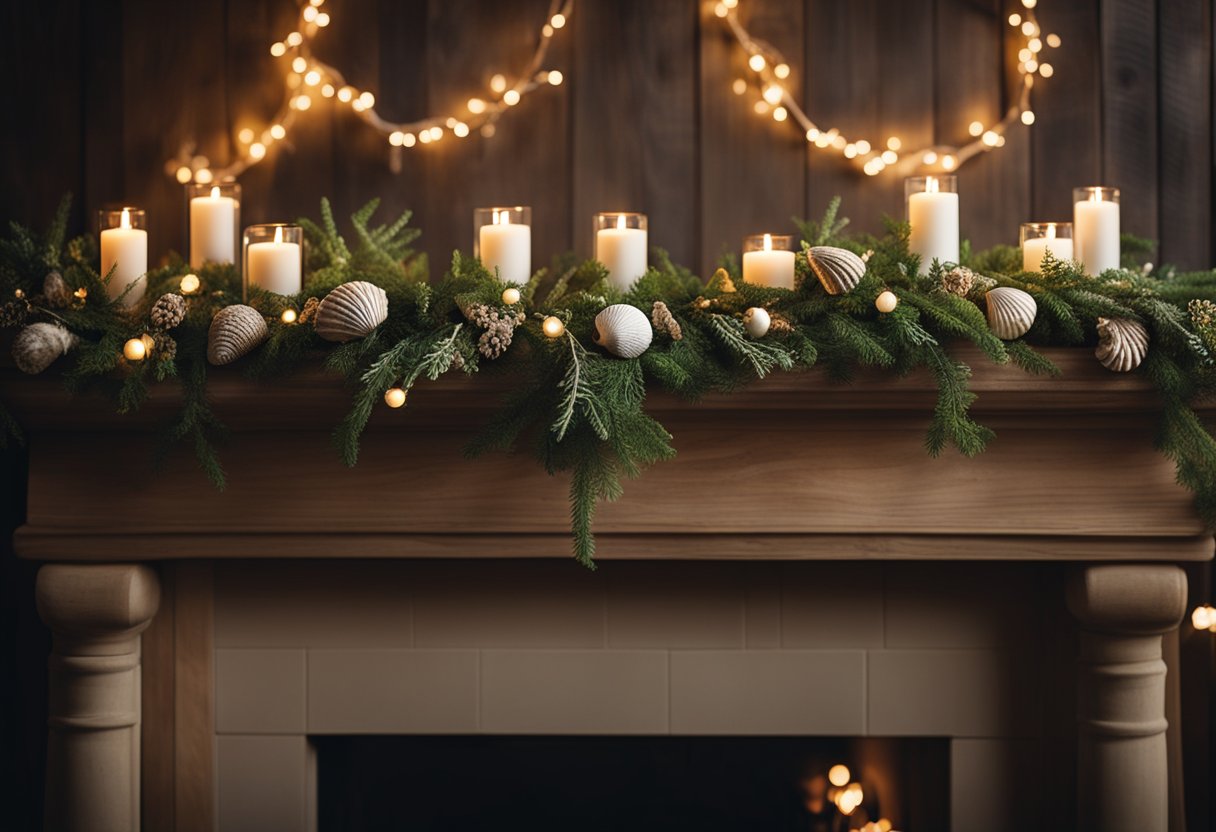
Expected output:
(580, 409)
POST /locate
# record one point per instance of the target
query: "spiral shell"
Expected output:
(623, 330)
(351, 311)
(235, 330)
(838, 269)
(1122, 344)
(1010, 312)
(38, 345)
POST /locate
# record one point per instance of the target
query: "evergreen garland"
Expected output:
(581, 409)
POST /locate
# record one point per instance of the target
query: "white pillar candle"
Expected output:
(623, 251)
(275, 266)
(125, 250)
(1096, 232)
(769, 268)
(1034, 248)
(212, 229)
(933, 217)
(506, 247)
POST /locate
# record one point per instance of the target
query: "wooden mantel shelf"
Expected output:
(794, 467)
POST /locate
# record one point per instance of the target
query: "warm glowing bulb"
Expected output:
(1028, 117)
(510, 296)
(863, 147)
(299, 64)
(498, 83)
(546, 31)
(425, 137)
(202, 176)
(184, 174)
(1203, 618)
(730, 4)
(761, 107)
(555, 78)
(289, 316)
(312, 78)
(1053, 40)
(780, 114)
(894, 143)
(975, 128)
(346, 94)
(394, 397)
(134, 349)
(886, 302)
(1015, 19)
(889, 157)
(257, 150)
(189, 284)
(948, 162)
(1034, 45)
(812, 134)
(309, 14)
(436, 133)
(1030, 4)
(396, 138)
(367, 99)
(278, 50)
(773, 94)
(1025, 55)
(782, 71)
(557, 21)
(850, 151)
(511, 98)
(245, 136)
(294, 39)
(756, 62)
(408, 140)
(303, 102)
(929, 158)
(476, 106)
(990, 138)
(738, 86)
(720, 10)
(838, 775)
(323, 19)
(1031, 66)
(1046, 70)
(1028, 29)
(553, 327)
(278, 131)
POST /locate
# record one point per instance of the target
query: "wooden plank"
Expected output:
(1067, 132)
(872, 77)
(1129, 108)
(752, 168)
(970, 73)
(1185, 84)
(527, 162)
(157, 731)
(163, 107)
(635, 121)
(103, 104)
(194, 706)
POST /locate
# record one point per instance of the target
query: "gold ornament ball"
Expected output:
(553, 327)
(886, 302)
(510, 296)
(189, 284)
(289, 316)
(394, 397)
(135, 349)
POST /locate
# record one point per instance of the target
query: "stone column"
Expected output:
(1122, 771)
(96, 613)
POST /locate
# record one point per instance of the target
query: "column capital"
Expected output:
(88, 600)
(1136, 599)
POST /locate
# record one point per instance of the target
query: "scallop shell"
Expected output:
(1010, 312)
(38, 345)
(351, 311)
(235, 330)
(623, 330)
(1122, 344)
(838, 269)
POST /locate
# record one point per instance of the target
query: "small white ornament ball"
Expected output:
(394, 397)
(553, 327)
(135, 349)
(757, 321)
(886, 302)
(510, 296)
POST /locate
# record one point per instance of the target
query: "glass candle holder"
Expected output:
(123, 234)
(932, 203)
(1038, 238)
(214, 222)
(502, 239)
(621, 245)
(1095, 219)
(274, 258)
(768, 260)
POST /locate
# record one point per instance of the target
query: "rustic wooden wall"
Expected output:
(103, 91)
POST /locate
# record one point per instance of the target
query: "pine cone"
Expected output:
(499, 328)
(169, 311)
(309, 311)
(13, 313)
(664, 321)
(780, 325)
(958, 281)
(56, 290)
(1203, 313)
(164, 348)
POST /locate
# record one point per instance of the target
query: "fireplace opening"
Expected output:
(639, 784)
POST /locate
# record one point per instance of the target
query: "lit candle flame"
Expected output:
(502, 218)
(768, 242)
(215, 192)
(620, 222)
(930, 184)
(1051, 230)
(278, 234)
(126, 218)
(1095, 195)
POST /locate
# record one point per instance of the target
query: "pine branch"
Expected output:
(763, 356)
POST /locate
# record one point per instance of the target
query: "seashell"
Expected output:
(351, 311)
(235, 330)
(56, 290)
(38, 345)
(1122, 344)
(838, 269)
(1010, 312)
(756, 321)
(623, 330)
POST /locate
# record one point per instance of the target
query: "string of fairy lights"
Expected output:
(309, 78)
(770, 71)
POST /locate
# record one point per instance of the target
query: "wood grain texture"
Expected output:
(158, 730)
(193, 689)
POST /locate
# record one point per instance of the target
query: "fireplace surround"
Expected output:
(845, 586)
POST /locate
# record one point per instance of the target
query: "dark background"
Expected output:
(96, 95)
